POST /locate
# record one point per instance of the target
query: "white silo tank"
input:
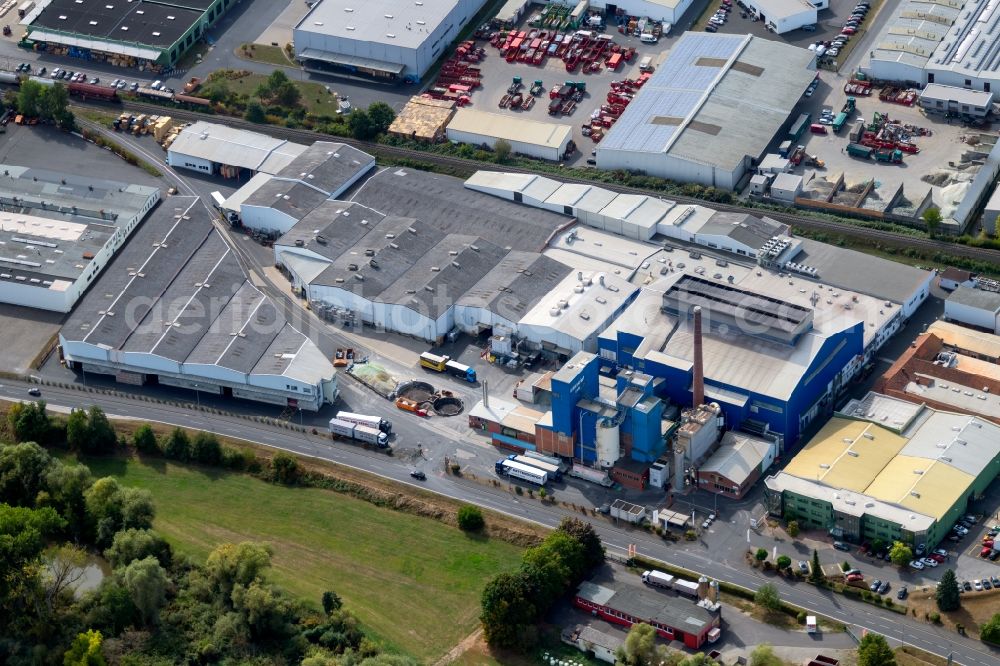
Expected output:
(608, 443)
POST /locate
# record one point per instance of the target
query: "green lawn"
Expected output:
(414, 582)
(315, 97)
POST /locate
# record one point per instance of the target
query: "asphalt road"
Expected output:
(893, 626)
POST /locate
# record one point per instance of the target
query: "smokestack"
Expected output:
(486, 393)
(698, 383)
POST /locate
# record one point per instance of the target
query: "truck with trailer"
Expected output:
(359, 433)
(658, 579)
(857, 150)
(517, 470)
(552, 470)
(376, 422)
(799, 127)
(433, 361)
(461, 370)
(811, 625)
(552, 460)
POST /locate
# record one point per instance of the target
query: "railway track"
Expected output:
(809, 223)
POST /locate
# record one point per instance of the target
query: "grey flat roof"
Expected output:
(327, 166)
(972, 45)
(863, 273)
(515, 285)
(444, 203)
(976, 298)
(937, 91)
(332, 228)
(744, 228)
(147, 23)
(443, 274)
(288, 196)
(178, 291)
(404, 25)
(739, 304)
(394, 250)
(715, 99)
(649, 605)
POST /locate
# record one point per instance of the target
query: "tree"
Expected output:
(816, 574)
(331, 602)
(67, 486)
(793, 528)
(29, 98)
(640, 647)
(932, 218)
(509, 612)
(255, 113)
(360, 125)
(146, 582)
(285, 469)
(86, 650)
(502, 150)
(582, 531)
(144, 440)
(874, 650)
(77, 431)
(381, 116)
(206, 449)
(900, 554)
(763, 655)
(23, 533)
(23, 470)
(177, 446)
(287, 94)
(111, 508)
(235, 564)
(53, 104)
(768, 597)
(133, 544)
(470, 518)
(64, 567)
(29, 421)
(990, 631)
(102, 435)
(783, 562)
(760, 555)
(948, 597)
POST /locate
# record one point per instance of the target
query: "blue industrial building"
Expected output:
(767, 364)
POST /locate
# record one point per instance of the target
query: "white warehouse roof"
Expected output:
(715, 99)
(235, 147)
(391, 22)
(913, 31)
(511, 128)
(972, 45)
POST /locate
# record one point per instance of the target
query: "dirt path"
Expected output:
(463, 646)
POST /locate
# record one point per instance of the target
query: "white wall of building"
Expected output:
(970, 316)
(553, 153)
(792, 18)
(265, 218)
(182, 161)
(343, 298)
(469, 319)
(658, 11)
(669, 166)
(890, 70)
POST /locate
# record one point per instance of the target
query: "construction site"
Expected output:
(884, 157)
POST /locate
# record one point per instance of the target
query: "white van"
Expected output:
(647, 38)
(646, 64)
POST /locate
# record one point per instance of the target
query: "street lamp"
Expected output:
(197, 395)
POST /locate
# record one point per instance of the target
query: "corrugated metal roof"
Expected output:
(235, 147)
(511, 128)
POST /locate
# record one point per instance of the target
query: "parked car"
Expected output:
(978, 585)
(937, 557)
(995, 581)
(803, 566)
(954, 537)
(591, 161)
(987, 585)
(852, 578)
(94, 81)
(834, 52)
(985, 552)
(711, 28)
(994, 555)
(967, 586)
(988, 542)
(942, 552)
(875, 585)
(884, 587)
(917, 564)
(903, 591)
(42, 71)
(969, 518)
(840, 545)
(929, 562)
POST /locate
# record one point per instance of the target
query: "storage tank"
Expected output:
(608, 442)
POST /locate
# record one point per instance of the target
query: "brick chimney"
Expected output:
(698, 383)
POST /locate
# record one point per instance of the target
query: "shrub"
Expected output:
(793, 528)
(760, 555)
(801, 617)
(285, 469)
(783, 562)
(934, 617)
(470, 518)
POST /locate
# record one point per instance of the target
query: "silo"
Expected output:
(608, 442)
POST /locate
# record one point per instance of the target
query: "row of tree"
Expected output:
(513, 604)
(155, 607)
(48, 103)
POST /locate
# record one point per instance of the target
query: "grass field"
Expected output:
(414, 582)
(315, 97)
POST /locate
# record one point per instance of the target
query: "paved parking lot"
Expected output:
(498, 74)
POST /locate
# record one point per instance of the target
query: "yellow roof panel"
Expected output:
(926, 486)
(846, 454)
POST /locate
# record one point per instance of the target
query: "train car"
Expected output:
(42, 81)
(92, 91)
(193, 101)
(10, 78)
(155, 94)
